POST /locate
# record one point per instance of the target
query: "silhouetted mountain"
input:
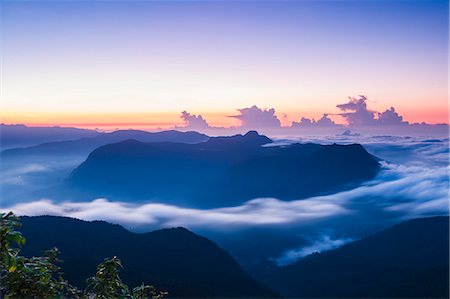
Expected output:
(250, 140)
(20, 135)
(222, 170)
(175, 260)
(85, 145)
(409, 260)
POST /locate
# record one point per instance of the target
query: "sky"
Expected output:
(128, 63)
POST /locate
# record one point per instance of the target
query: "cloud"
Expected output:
(255, 118)
(31, 168)
(261, 211)
(323, 243)
(349, 133)
(194, 122)
(391, 117)
(356, 113)
(408, 150)
(407, 191)
(16, 176)
(323, 122)
(358, 116)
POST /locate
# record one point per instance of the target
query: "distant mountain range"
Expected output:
(83, 146)
(409, 260)
(175, 260)
(221, 171)
(21, 135)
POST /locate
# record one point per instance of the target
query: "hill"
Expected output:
(175, 260)
(21, 135)
(408, 260)
(84, 146)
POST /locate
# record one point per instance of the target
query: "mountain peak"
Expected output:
(255, 138)
(251, 134)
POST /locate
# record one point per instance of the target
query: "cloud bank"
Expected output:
(355, 112)
(261, 211)
(323, 122)
(407, 191)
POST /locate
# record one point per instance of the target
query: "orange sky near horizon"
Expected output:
(166, 120)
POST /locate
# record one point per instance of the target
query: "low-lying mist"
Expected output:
(413, 183)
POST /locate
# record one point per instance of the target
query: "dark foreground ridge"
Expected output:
(221, 171)
(175, 260)
(409, 260)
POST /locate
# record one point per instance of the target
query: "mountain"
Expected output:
(408, 260)
(84, 146)
(221, 170)
(175, 260)
(21, 135)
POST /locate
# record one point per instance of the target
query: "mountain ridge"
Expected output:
(409, 259)
(173, 259)
(228, 170)
(19, 135)
(85, 145)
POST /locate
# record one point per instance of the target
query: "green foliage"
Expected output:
(37, 277)
(40, 277)
(147, 291)
(107, 284)
(10, 240)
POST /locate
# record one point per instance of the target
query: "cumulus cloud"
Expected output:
(255, 118)
(194, 122)
(356, 113)
(304, 122)
(391, 117)
(323, 122)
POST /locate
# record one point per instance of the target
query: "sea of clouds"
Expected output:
(412, 191)
(413, 182)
